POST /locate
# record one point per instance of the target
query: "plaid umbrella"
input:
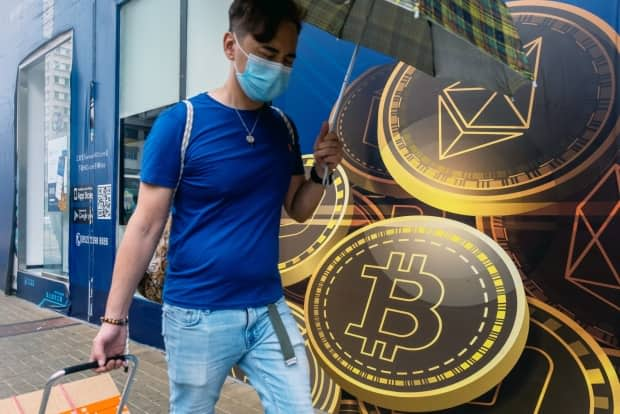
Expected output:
(470, 40)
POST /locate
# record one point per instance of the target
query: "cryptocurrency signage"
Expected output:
(562, 370)
(356, 125)
(435, 313)
(468, 150)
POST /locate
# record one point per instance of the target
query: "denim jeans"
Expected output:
(202, 346)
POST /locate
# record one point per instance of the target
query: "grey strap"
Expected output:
(274, 315)
(189, 120)
(289, 126)
(285, 341)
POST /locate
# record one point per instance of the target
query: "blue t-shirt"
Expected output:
(223, 246)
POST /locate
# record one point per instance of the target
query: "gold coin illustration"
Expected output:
(472, 151)
(561, 370)
(417, 313)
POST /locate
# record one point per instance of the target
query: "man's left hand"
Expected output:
(327, 150)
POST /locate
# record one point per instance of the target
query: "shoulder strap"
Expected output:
(189, 120)
(289, 126)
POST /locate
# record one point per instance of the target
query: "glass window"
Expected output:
(43, 113)
(207, 67)
(134, 131)
(60, 80)
(149, 55)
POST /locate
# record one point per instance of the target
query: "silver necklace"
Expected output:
(250, 134)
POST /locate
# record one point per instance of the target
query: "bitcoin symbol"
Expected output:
(416, 313)
(410, 321)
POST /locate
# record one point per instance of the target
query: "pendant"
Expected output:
(250, 139)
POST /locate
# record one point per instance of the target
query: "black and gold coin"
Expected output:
(302, 245)
(562, 370)
(356, 125)
(472, 151)
(568, 254)
(416, 313)
(324, 391)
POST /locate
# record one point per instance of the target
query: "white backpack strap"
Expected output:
(289, 126)
(189, 120)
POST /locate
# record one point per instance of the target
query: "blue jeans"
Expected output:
(202, 346)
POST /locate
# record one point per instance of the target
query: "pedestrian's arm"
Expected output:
(305, 195)
(136, 250)
(302, 198)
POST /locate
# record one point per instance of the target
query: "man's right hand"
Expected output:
(109, 342)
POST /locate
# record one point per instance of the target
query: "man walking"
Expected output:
(242, 164)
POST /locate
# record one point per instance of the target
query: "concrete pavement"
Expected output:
(36, 342)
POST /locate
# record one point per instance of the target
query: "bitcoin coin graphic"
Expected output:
(302, 245)
(562, 370)
(356, 125)
(325, 392)
(472, 151)
(416, 313)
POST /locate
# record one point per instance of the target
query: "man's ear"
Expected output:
(229, 46)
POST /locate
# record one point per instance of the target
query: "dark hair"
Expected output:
(261, 18)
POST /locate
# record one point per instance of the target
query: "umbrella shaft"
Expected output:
(345, 83)
(347, 76)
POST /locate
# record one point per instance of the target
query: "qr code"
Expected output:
(104, 202)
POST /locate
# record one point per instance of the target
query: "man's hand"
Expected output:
(327, 150)
(109, 342)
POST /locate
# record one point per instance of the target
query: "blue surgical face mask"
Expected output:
(262, 80)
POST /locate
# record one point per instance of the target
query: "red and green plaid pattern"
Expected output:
(484, 23)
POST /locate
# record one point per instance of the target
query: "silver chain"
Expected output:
(250, 133)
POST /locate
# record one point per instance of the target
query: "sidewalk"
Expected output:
(35, 342)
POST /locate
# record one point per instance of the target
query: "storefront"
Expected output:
(60, 152)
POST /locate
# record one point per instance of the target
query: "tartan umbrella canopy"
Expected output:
(468, 40)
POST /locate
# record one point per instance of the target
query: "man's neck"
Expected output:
(231, 95)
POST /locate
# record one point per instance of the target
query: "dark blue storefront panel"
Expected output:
(93, 166)
(44, 292)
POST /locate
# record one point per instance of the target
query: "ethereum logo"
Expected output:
(593, 263)
(471, 119)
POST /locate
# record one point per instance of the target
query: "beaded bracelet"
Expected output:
(112, 321)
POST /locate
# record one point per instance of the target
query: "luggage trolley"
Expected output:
(133, 366)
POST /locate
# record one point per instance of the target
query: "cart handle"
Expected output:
(92, 365)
